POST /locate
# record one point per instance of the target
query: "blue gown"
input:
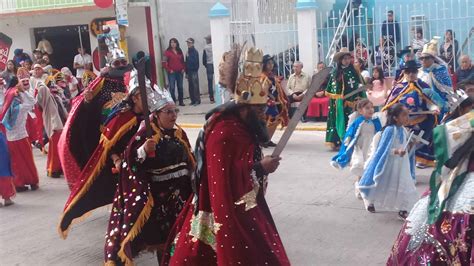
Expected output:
(5, 165)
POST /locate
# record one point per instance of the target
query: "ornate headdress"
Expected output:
(249, 88)
(431, 48)
(455, 99)
(22, 73)
(157, 98)
(115, 53)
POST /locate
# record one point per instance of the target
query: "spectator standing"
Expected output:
(27, 64)
(38, 76)
(209, 65)
(359, 65)
(9, 72)
(192, 67)
(173, 62)
(448, 50)
(298, 84)
(466, 69)
(37, 55)
(82, 62)
(391, 30)
(19, 56)
(46, 64)
(418, 42)
(71, 82)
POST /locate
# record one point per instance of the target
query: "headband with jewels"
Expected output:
(251, 87)
(157, 98)
(22, 73)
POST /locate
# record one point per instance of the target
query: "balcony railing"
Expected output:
(13, 6)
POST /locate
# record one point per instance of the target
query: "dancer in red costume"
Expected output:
(98, 181)
(227, 221)
(18, 102)
(7, 189)
(84, 125)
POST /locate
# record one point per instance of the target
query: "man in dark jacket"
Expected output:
(192, 67)
(391, 30)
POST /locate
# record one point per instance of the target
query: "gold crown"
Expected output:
(254, 55)
(251, 90)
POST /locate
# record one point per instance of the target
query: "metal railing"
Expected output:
(13, 6)
(369, 38)
(270, 26)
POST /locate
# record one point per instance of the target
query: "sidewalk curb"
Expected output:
(299, 128)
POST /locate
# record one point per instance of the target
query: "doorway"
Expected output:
(65, 41)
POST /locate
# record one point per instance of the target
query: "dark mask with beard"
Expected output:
(257, 126)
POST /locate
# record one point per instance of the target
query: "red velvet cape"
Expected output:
(228, 229)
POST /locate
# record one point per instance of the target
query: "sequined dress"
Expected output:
(440, 228)
(150, 194)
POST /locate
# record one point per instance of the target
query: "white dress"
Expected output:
(393, 187)
(361, 149)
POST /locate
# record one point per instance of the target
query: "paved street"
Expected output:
(317, 215)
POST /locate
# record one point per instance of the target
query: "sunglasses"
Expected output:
(170, 111)
(424, 57)
(121, 62)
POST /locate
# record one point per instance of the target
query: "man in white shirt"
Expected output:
(298, 83)
(82, 62)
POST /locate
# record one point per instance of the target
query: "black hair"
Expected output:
(15, 68)
(393, 112)
(339, 69)
(453, 35)
(361, 64)
(178, 49)
(419, 30)
(381, 75)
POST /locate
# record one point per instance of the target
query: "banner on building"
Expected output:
(121, 12)
(5, 44)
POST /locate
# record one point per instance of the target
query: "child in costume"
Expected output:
(387, 179)
(378, 94)
(355, 147)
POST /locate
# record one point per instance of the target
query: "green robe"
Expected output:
(339, 108)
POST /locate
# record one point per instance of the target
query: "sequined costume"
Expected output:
(437, 77)
(341, 83)
(84, 125)
(277, 110)
(97, 183)
(150, 194)
(439, 229)
(417, 97)
(228, 221)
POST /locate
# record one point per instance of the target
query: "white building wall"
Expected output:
(20, 28)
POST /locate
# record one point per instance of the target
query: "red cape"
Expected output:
(82, 130)
(96, 184)
(233, 224)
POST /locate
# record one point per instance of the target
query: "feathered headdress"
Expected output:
(229, 67)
